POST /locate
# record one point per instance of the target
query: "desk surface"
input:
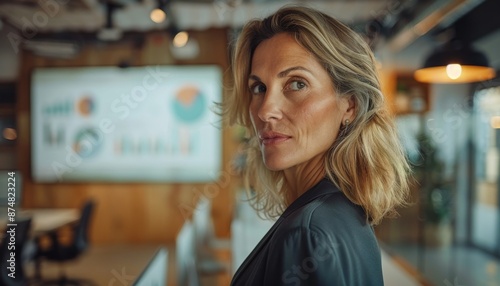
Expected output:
(44, 220)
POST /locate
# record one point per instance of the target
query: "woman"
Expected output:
(323, 153)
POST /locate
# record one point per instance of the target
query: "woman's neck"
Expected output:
(299, 179)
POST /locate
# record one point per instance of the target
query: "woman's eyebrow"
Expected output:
(282, 73)
(288, 70)
(254, 77)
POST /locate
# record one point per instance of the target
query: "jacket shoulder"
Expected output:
(330, 212)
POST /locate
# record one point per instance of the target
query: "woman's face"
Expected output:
(293, 108)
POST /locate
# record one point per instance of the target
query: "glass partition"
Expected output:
(485, 224)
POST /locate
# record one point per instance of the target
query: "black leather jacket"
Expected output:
(322, 238)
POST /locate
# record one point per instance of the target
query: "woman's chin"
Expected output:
(275, 166)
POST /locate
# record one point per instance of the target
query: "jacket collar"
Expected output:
(323, 187)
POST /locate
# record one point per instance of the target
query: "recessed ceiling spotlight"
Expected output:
(158, 15)
(181, 39)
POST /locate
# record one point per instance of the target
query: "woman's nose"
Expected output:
(271, 106)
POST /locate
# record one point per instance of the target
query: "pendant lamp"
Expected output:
(455, 63)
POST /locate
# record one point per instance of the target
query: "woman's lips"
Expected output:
(271, 137)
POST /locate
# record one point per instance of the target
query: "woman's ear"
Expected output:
(349, 108)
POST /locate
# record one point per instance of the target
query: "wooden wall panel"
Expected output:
(131, 213)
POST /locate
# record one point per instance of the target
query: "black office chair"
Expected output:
(61, 246)
(13, 275)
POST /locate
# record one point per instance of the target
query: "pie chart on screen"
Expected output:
(87, 142)
(189, 104)
(85, 106)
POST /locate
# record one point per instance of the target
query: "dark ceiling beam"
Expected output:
(479, 22)
(434, 15)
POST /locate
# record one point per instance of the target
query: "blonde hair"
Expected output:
(367, 161)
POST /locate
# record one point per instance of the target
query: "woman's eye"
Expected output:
(258, 89)
(297, 85)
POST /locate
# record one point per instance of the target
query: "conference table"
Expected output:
(43, 220)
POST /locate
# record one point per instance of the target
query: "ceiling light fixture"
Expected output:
(455, 63)
(109, 32)
(181, 39)
(183, 46)
(158, 15)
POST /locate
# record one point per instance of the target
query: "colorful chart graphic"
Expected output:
(128, 146)
(140, 124)
(53, 135)
(64, 107)
(86, 106)
(87, 142)
(189, 104)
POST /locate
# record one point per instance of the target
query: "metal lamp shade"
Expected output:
(473, 63)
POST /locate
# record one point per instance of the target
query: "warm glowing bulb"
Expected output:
(495, 122)
(10, 134)
(453, 71)
(157, 15)
(181, 39)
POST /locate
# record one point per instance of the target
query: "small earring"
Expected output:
(346, 122)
